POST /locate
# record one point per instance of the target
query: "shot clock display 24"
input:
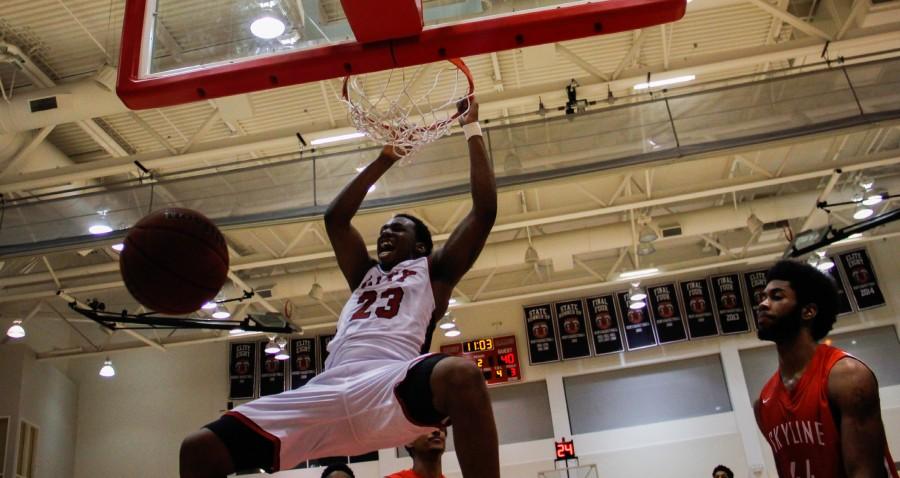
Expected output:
(497, 357)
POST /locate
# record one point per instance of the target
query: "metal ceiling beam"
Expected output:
(791, 20)
(285, 138)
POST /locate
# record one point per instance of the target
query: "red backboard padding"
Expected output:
(333, 61)
(379, 20)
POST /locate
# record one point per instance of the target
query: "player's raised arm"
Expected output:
(452, 261)
(348, 244)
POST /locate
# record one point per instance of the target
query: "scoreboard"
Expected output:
(497, 357)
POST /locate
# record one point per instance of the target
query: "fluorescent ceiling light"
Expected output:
(666, 82)
(221, 314)
(335, 139)
(118, 247)
(638, 273)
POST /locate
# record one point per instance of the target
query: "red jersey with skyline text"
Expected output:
(799, 424)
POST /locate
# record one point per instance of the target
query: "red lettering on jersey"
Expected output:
(406, 273)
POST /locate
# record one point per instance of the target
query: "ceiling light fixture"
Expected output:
(636, 292)
(336, 138)
(119, 247)
(101, 226)
(637, 304)
(647, 234)
(15, 331)
(665, 82)
(268, 26)
(271, 346)
(638, 273)
(452, 333)
(645, 249)
(107, 369)
(221, 313)
(874, 197)
(823, 263)
(282, 355)
(862, 211)
(447, 322)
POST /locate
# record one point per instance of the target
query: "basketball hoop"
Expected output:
(412, 118)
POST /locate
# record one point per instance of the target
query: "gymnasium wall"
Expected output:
(132, 425)
(42, 395)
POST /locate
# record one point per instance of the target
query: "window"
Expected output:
(644, 395)
(28, 435)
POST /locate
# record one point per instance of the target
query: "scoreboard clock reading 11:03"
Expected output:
(497, 357)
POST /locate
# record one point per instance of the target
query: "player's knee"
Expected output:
(462, 375)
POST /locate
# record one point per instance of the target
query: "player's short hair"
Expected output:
(423, 235)
(724, 468)
(811, 286)
(337, 467)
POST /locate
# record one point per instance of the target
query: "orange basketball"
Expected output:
(174, 261)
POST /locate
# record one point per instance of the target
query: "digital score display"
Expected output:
(565, 449)
(497, 357)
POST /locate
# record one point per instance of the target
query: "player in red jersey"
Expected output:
(820, 411)
(426, 452)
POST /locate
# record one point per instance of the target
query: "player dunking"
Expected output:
(377, 390)
(820, 411)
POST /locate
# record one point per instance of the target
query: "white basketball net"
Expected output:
(414, 116)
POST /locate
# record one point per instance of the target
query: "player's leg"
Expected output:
(223, 447)
(458, 390)
(204, 455)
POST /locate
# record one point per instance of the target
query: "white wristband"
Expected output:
(471, 129)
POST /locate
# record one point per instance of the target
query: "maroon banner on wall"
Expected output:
(271, 372)
(242, 371)
(729, 304)
(756, 291)
(861, 276)
(573, 332)
(303, 361)
(542, 345)
(605, 326)
(639, 331)
(323, 349)
(844, 305)
(666, 312)
(698, 308)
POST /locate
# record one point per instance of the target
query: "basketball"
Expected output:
(174, 261)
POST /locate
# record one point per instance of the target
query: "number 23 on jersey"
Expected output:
(384, 306)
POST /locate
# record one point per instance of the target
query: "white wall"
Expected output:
(44, 397)
(132, 425)
(11, 357)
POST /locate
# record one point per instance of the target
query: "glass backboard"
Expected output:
(178, 51)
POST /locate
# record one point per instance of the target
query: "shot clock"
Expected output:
(497, 357)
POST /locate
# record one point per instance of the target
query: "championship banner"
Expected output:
(303, 361)
(605, 326)
(666, 313)
(844, 305)
(242, 371)
(638, 328)
(573, 335)
(861, 277)
(323, 349)
(730, 304)
(271, 373)
(542, 347)
(698, 308)
(756, 291)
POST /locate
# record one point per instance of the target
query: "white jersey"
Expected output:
(386, 317)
